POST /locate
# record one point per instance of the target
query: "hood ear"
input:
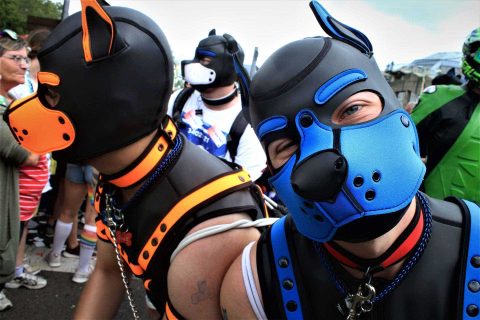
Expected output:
(341, 31)
(100, 38)
(212, 32)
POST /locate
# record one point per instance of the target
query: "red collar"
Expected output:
(398, 251)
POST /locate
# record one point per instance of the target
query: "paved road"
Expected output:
(58, 299)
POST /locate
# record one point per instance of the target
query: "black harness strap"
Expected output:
(179, 103)
(236, 131)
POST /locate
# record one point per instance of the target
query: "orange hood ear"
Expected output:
(100, 37)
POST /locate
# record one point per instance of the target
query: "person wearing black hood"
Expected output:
(105, 80)
(360, 241)
(209, 111)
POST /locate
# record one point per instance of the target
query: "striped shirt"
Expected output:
(32, 180)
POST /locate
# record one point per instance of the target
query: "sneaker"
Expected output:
(54, 260)
(29, 281)
(31, 269)
(82, 277)
(71, 253)
(5, 304)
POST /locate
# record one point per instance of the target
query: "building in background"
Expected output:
(409, 79)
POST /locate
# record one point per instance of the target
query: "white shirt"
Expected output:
(210, 129)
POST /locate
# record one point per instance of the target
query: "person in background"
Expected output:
(13, 65)
(33, 180)
(79, 181)
(209, 111)
(359, 241)
(448, 123)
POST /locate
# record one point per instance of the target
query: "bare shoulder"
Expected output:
(197, 271)
(233, 296)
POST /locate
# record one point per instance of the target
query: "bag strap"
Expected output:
(179, 103)
(236, 131)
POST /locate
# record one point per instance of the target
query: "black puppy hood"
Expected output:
(220, 71)
(113, 70)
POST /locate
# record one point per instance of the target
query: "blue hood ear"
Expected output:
(340, 31)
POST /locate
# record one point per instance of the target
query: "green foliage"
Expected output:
(178, 81)
(14, 13)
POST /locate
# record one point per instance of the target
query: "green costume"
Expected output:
(448, 120)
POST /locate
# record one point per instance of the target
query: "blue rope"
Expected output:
(406, 266)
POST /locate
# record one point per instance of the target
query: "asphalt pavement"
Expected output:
(57, 301)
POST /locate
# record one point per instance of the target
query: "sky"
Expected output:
(399, 30)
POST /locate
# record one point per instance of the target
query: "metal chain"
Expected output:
(111, 215)
(408, 265)
(112, 227)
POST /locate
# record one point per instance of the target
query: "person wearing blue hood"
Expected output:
(360, 241)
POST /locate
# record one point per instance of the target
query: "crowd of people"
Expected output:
(379, 216)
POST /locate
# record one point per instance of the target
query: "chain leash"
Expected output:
(112, 227)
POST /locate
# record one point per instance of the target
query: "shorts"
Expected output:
(81, 174)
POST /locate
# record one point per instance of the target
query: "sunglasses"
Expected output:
(9, 34)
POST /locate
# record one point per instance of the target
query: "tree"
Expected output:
(14, 13)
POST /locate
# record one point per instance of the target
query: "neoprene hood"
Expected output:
(220, 71)
(113, 71)
(339, 173)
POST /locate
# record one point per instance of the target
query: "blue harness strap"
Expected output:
(284, 267)
(471, 295)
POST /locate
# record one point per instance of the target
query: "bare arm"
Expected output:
(31, 160)
(195, 275)
(103, 294)
(233, 297)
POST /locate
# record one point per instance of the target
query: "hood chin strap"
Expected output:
(156, 151)
(223, 100)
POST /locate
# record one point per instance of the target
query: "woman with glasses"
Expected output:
(13, 65)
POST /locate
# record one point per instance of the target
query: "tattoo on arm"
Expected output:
(202, 293)
(224, 314)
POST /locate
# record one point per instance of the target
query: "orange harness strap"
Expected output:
(168, 312)
(150, 161)
(219, 185)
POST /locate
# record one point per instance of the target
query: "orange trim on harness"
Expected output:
(136, 269)
(101, 227)
(93, 4)
(214, 187)
(168, 313)
(149, 162)
(48, 78)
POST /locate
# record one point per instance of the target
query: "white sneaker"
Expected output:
(31, 269)
(54, 260)
(29, 281)
(82, 277)
(5, 304)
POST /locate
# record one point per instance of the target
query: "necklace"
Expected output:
(350, 299)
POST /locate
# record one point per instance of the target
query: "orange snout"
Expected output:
(37, 128)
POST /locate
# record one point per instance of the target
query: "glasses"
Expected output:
(10, 34)
(18, 59)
